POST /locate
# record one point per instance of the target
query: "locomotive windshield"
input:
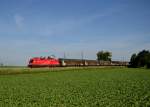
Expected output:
(31, 61)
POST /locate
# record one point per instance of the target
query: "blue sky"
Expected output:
(31, 28)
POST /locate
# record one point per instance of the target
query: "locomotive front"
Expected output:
(43, 62)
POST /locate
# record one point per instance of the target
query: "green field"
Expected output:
(68, 87)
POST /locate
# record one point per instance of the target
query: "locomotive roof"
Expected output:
(76, 59)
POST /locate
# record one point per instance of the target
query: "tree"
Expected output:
(141, 59)
(133, 60)
(104, 56)
(148, 65)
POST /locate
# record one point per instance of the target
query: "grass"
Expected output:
(83, 87)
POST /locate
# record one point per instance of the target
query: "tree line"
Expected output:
(141, 59)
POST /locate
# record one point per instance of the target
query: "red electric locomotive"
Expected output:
(43, 62)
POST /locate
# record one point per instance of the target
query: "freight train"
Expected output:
(62, 62)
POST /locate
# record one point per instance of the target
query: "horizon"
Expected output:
(32, 28)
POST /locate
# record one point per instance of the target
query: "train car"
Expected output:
(91, 63)
(119, 63)
(71, 62)
(105, 63)
(80, 62)
(43, 62)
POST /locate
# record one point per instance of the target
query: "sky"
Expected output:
(31, 28)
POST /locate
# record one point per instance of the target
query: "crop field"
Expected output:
(69, 87)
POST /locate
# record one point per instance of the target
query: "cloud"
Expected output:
(19, 20)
